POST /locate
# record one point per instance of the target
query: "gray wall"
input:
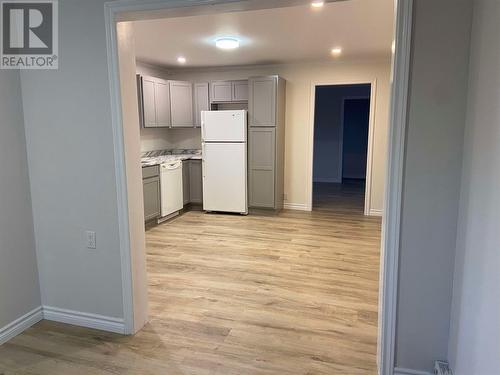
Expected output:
(19, 288)
(433, 163)
(327, 129)
(70, 154)
(475, 330)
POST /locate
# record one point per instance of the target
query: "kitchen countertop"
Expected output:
(166, 156)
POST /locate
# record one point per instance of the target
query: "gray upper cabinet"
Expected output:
(154, 102)
(229, 91)
(146, 96)
(222, 91)
(262, 101)
(201, 101)
(162, 101)
(181, 104)
(240, 91)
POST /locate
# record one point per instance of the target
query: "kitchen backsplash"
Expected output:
(168, 139)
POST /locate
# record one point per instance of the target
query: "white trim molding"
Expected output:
(369, 151)
(110, 14)
(391, 223)
(375, 212)
(297, 207)
(21, 324)
(81, 319)
(371, 135)
(407, 371)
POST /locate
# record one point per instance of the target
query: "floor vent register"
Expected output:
(442, 368)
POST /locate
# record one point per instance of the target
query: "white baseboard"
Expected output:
(331, 180)
(296, 206)
(375, 212)
(76, 318)
(21, 324)
(103, 323)
(407, 371)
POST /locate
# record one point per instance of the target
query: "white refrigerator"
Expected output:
(224, 152)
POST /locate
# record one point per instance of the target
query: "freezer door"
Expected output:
(224, 126)
(225, 177)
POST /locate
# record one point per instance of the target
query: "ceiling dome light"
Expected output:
(336, 51)
(181, 60)
(317, 3)
(227, 43)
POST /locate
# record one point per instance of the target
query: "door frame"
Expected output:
(125, 10)
(369, 153)
(371, 134)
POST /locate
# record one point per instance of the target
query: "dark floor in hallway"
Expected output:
(348, 196)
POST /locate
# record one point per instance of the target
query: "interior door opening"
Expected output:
(162, 313)
(341, 145)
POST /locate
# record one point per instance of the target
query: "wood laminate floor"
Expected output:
(291, 294)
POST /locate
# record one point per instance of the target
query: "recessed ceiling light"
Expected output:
(336, 51)
(227, 43)
(181, 60)
(317, 3)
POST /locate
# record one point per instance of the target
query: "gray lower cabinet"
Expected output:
(192, 181)
(185, 181)
(262, 162)
(266, 142)
(151, 192)
(195, 182)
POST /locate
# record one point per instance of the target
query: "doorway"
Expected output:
(341, 150)
(398, 115)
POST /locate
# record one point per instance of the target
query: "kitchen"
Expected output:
(173, 179)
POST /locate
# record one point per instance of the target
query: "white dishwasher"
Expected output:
(171, 187)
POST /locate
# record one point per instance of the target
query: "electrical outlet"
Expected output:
(91, 242)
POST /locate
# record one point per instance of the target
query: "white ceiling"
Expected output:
(363, 28)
